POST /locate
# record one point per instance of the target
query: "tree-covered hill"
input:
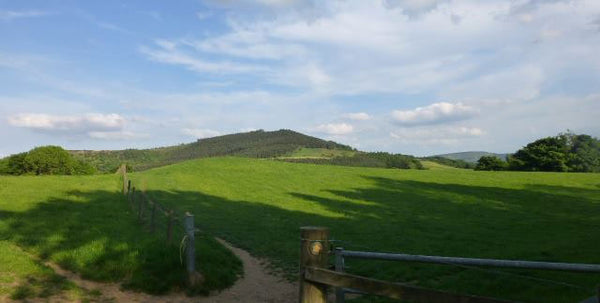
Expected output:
(256, 144)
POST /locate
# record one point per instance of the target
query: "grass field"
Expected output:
(84, 224)
(259, 205)
(319, 153)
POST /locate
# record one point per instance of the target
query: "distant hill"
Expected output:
(471, 156)
(256, 144)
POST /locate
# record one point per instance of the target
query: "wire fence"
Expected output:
(164, 222)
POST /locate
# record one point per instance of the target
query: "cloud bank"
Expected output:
(435, 113)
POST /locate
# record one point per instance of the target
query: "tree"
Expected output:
(490, 163)
(584, 153)
(565, 152)
(546, 154)
(16, 164)
(47, 160)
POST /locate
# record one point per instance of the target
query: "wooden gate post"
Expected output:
(314, 252)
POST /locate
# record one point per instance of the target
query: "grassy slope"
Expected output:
(260, 205)
(84, 224)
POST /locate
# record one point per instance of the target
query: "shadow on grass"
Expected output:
(95, 234)
(423, 218)
(101, 239)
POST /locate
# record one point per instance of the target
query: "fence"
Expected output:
(154, 216)
(315, 277)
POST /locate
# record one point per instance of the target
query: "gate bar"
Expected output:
(578, 267)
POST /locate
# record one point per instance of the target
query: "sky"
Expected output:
(403, 76)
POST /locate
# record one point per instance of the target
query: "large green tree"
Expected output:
(565, 152)
(47, 160)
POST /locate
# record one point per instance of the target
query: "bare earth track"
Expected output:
(249, 288)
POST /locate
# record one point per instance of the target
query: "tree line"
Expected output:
(566, 152)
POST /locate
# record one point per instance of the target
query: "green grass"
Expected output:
(21, 276)
(319, 153)
(84, 224)
(259, 205)
(435, 166)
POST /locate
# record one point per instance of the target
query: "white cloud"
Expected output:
(474, 49)
(116, 135)
(69, 124)
(203, 15)
(11, 15)
(434, 114)
(520, 83)
(357, 116)
(414, 7)
(248, 129)
(167, 53)
(200, 133)
(335, 128)
(444, 135)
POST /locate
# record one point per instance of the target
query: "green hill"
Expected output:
(255, 144)
(471, 156)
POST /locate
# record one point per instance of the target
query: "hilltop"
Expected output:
(254, 144)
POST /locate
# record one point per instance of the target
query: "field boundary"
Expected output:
(153, 215)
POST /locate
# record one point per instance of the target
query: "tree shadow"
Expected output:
(422, 218)
(98, 236)
(545, 223)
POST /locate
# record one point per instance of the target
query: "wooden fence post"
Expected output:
(123, 169)
(170, 227)
(152, 223)
(314, 252)
(190, 250)
(141, 207)
(132, 201)
(339, 267)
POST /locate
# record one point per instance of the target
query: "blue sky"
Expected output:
(404, 76)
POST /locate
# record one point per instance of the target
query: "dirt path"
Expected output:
(249, 289)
